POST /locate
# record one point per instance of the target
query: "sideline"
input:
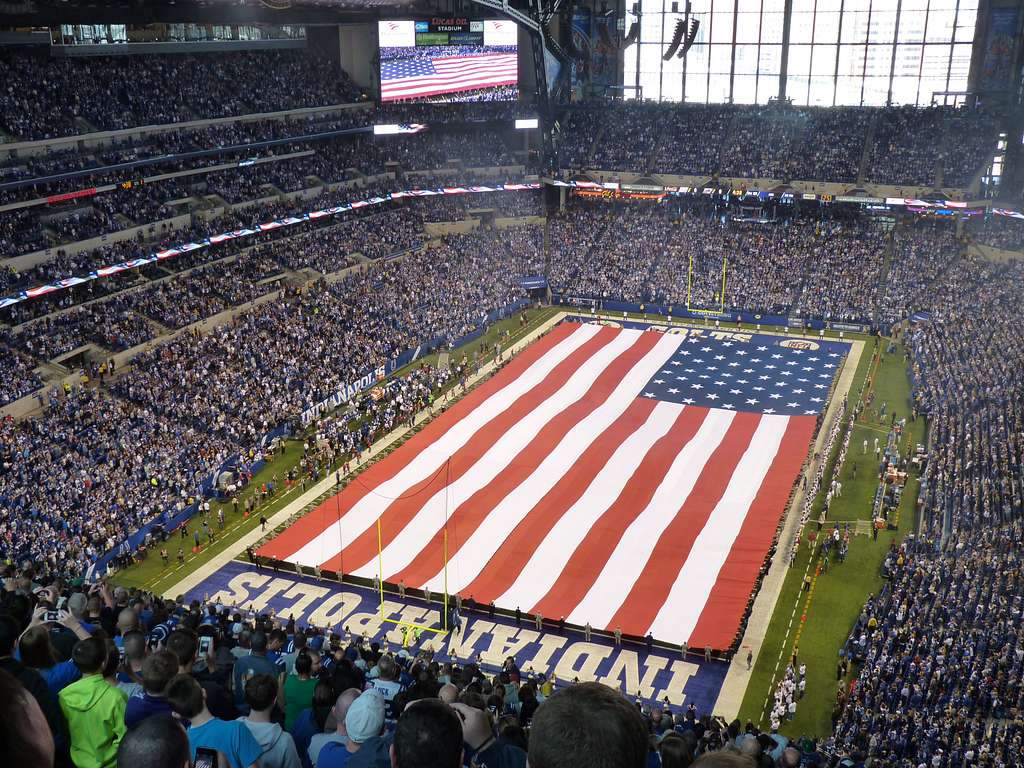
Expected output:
(730, 699)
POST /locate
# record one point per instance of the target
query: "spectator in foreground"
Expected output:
(338, 738)
(157, 672)
(93, 708)
(34, 683)
(23, 730)
(588, 724)
(230, 737)
(429, 735)
(157, 742)
(277, 745)
(367, 746)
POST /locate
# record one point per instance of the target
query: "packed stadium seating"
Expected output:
(905, 145)
(316, 305)
(45, 97)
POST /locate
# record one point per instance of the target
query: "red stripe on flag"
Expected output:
(590, 556)
(468, 517)
(314, 523)
(363, 549)
(728, 599)
(675, 544)
(508, 562)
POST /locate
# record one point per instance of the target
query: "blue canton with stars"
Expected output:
(393, 70)
(759, 375)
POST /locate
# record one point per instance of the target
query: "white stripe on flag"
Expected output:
(430, 518)
(554, 551)
(680, 612)
(365, 512)
(475, 553)
(631, 553)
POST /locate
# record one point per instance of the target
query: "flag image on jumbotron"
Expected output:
(448, 60)
(621, 477)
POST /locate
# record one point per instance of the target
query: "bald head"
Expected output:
(127, 620)
(449, 693)
(341, 708)
(790, 757)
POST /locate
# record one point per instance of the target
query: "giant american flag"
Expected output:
(417, 78)
(614, 476)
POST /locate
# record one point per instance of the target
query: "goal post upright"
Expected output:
(689, 290)
(444, 628)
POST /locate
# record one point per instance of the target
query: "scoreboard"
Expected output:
(449, 32)
(442, 31)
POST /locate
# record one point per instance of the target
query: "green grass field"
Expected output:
(836, 598)
(838, 595)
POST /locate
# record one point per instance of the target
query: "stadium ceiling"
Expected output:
(52, 12)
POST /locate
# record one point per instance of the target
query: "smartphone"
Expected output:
(51, 616)
(205, 644)
(205, 758)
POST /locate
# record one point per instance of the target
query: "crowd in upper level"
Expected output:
(50, 97)
(895, 145)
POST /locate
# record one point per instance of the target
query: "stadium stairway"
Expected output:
(883, 275)
(865, 155)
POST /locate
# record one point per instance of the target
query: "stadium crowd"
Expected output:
(100, 676)
(671, 254)
(219, 394)
(779, 141)
(43, 97)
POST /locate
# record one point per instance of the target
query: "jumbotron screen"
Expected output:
(438, 60)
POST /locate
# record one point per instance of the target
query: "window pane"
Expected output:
(935, 64)
(799, 60)
(746, 60)
(718, 89)
(826, 27)
(883, 26)
(904, 90)
(696, 86)
(823, 60)
(965, 22)
(876, 91)
(721, 59)
(960, 66)
(796, 89)
(744, 89)
(847, 91)
(771, 27)
(767, 87)
(651, 21)
(851, 61)
(908, 61)
(672, 80)
(649, 82)
(879, 61)
(823, 91)
(855, 28)
(940, 25)
(748, 27)
(721, 27)
(770, 60)
(802, 28)
(912, 24)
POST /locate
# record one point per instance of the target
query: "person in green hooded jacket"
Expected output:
(93, 708)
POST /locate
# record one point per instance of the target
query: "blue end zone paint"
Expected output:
(329, 604)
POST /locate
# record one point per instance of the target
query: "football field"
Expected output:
(653, 565)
